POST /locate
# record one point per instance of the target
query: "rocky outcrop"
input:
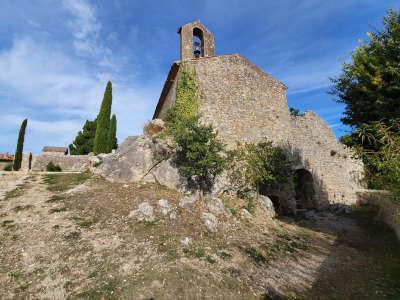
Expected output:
(141, 158)
(267, 206)
(143, 213)
(210, 221)
(153, 127)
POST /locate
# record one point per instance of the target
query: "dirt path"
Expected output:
(65, 236)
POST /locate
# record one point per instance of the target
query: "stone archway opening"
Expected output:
(198, 42)
(304, 188)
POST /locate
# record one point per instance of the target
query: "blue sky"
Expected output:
(56, 56)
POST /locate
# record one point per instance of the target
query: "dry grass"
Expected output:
(88, 248)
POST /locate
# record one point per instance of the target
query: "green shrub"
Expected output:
(8, 167)
(199, 153)
(252, 166)
(382, 158)
(51, 167)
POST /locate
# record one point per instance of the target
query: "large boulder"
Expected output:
(153, 127)
(217, 207)
(210, 221)
(166, 174)
(140, 158)
(267, 206)
(144, 212)
(130, 162)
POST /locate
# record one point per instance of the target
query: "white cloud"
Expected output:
(51, 85)
(84, 25)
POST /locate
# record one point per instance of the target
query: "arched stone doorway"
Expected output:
(198, 42)
(304, 188)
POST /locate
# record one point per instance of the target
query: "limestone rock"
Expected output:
(164, 206)
(186, 241)
(153, 127)
(132, 160)
(217, 207)
(245, 214)
(166, 174)
(210, 221)
(267, 206)
(139, 158)
(188, 199)
(143, 213)
(222, 183)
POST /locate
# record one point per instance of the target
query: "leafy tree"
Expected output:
(382, 156)
(112, 134)
(103, 122)
(83, 143)
(370, 84)
(199, 153)
(255, 165)
(20, 146)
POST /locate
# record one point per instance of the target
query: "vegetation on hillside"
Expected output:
(199, 154)
(112, 134)
(20, 146)
(83, 143)
(255, 165)
(369, 86)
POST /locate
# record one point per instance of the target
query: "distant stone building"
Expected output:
(245, 104)
(5, 159)
(55, 150)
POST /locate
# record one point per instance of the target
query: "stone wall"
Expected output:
(68, 163)
(241, 101)
(388, 212)
(244, 104)
(337, 175)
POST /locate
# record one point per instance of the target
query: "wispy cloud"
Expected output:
(84, 25)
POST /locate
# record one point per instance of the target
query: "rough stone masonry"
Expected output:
(245, 104)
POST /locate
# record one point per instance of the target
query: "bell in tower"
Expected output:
(196, 41)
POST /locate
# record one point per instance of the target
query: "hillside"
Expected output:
(73, 235)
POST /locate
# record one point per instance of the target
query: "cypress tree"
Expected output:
(103, 122)
(20, 146)
(112, 134)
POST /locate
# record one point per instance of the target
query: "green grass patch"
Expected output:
(224, 255)
(8, 223)
(57, 210)
(17, 192)
(255, 255)
(19, 208)
(55, 198)
(74, 235)
(63, 182)
(148, 224)
(84, 222)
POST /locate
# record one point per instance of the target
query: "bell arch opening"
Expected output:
(198, 42)
(304, 188)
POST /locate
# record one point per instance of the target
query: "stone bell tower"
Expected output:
(196, 41)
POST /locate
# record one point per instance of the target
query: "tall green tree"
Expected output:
(112, 134)
(83, 143)
(20, 146)
(103, 122)
(369, 85)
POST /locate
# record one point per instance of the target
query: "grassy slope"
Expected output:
(83, 245)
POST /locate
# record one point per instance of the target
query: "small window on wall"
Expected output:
(198, 43)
